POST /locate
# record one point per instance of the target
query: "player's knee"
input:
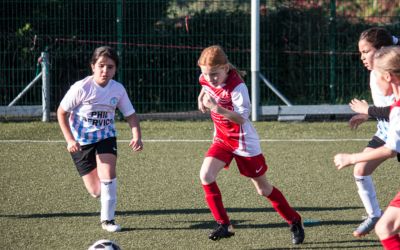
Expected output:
(95, 194)
(359, 169)
(260, 192)
(206, 177)
(203, 178)
(263, 191)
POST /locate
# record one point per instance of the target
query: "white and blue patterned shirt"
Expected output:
(92, 109)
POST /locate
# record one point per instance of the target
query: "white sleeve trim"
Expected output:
(393, 134)
(72, 98)
(125, 105)
(241, 100)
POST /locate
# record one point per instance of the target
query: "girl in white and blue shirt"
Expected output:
(86, 116)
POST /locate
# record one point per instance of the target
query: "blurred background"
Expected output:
(308, 49)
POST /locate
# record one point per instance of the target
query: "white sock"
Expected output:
(108, 199)
(366, 190)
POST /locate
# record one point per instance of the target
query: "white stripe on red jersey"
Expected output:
(393, 135)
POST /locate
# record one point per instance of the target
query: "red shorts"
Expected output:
(252, 167)
(396, 201)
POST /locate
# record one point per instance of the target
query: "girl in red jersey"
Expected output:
(226, 96)
(387, 70)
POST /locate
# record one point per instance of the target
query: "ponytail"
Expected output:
(241, 73)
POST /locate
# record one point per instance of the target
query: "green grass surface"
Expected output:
(44, 204)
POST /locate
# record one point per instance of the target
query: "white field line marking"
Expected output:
(194, 140)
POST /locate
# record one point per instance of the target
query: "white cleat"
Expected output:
(110, 226)
(365, 227)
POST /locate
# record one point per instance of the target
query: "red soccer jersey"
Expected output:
(233, 95)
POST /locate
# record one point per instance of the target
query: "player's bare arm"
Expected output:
(359, 106)
(344, 160)
(200, 104)
(211, 104)
(72, 145)
(136, 143)
(357, 119)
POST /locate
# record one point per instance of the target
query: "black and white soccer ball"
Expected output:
(104, 245)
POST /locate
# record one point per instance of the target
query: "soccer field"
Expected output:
(44, 204)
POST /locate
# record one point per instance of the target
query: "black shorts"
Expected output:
(377, 142)
(85, 160)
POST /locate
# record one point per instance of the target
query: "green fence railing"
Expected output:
(308, 49)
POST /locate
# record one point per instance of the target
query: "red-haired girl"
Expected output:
(225, 95)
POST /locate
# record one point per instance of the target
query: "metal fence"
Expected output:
(308, 48)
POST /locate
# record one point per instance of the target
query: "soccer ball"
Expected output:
(105, 245)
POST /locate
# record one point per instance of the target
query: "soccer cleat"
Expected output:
(297, 231)
(365, 227)
(110, 226)
(221, 231)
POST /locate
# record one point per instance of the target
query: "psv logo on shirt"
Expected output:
(114, 101)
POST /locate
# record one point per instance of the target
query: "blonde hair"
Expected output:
(388, 59)
(215, 56)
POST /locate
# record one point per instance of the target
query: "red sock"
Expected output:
(214, 201)
(391, 243)
(283, 208)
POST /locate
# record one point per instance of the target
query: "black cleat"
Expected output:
(297, 231)
(221, 231)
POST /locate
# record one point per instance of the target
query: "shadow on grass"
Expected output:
(304, 246)
(238, 224)
(171, 211)
(242, 224)
(333, 245)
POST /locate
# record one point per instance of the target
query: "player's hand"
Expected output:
(342, 160)
(136, 145)
(209, 102)
(356, 120)
(73, 146)
(359, 106)
(201, 106)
